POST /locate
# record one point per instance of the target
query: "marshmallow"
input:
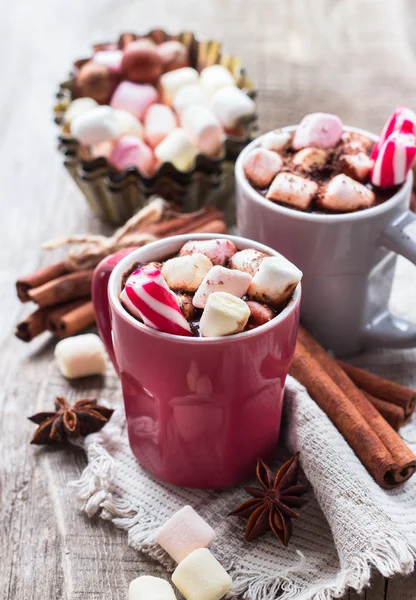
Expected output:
(275, 281)
(355, 142)
(203, 128)
(224, 314)
(134, 97)
(290, 189)
(201, 577)
(321, 130)
(96, 125)
(183, 533)
(172, 81)
(78, 107)
(103, 149)
(308, 158)
(218, 251)
(275, 140)
(159, 123)
(109, 58)
(131, 151)
(189, 95)
(96, 81)
(261, 166)
(178, 149)
(231, 105)
(344, 194)
(80, 356)
(186, 273)
(187, 308)
(174, 55)
(220, 279)
(248, 260)
(215, 77)
(259, 314)
(147, 587)
(128, 122)
(141, 62)
(358, 166)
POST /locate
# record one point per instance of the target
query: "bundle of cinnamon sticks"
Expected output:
(62, 291)
(361, 414)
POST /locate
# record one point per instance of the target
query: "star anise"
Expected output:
(272, 505)
(82, 418)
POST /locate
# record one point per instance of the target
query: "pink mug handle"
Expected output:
(100, 300)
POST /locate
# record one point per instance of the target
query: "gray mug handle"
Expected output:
(386, 329)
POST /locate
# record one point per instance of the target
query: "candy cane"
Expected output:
(402, 119)
(394, 160)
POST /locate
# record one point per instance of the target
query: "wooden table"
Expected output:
(355, 58)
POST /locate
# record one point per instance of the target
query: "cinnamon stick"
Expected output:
(38, 278)
(382, 388)
(72, 319)
(63, 289)
(184, 224)
(33, 325)
(394, 415)
(57, 312)
(216, 226)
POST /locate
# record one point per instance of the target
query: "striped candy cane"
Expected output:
(149, 298)
(394, 160)
(402, 119)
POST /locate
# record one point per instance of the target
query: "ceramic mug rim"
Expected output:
(158, 246)
(359, 215)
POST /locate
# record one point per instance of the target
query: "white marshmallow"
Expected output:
(159, 123)
(78, 107)
(224, 314)
(189, 95)
(80, 355)
(147, 587)
(96, 125)
(231, 106)
(293, 190)
(128, 122)
(345, 194)
(358, 166)
(309, 158)
(219, 251)
(275, 281)
(172, 81)
(275, 140)
(247, 260)
(220, 279)
(203, 128)
(215, 77)
(178, 149)
(200, 576)
(186, 273)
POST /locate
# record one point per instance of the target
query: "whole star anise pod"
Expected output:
(272, 505)
(82, 418)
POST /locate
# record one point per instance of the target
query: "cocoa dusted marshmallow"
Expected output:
(308, 158)
(259, 314)
(219, 251)
(220, 279)
(177, 148)
(172, 81)
(321, 130)
(186, 306)
(203, 128)
(247, 260)
(224, 314)
(231, 105)
(293, 190)
(275, 140)
(261, 166)
(354, 142)
(275, 281)
(345, 194)
(189, 95)
(186, 273)
(215, 77)
(358, 166)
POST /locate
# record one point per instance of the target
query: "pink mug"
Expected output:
(200, 411)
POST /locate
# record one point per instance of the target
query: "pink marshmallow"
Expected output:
(109, 58)
(220, 279)
(160, 121)
(183, 533)
(261, 166)
(218, 251)
(320, 130)
(131, 151)
(136, 98)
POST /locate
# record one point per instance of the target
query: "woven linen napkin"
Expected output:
(348, 527)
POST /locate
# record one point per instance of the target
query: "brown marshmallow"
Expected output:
(308, 158)
(259, 314)
(293, 190)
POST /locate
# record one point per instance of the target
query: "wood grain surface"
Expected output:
(356, 58)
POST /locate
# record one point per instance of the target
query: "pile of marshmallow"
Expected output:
(210, 277)
(285, 163)
(144, 106)
(199, 575)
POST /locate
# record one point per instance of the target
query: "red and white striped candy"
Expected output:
(395, 159)
(402, 119)
(148, 297)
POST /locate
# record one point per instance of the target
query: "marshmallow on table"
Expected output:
(80, 356)
(308, 158)
(292, 190)
(131, 151)
(231, 105)
(128, 122)
(109, 58)
(147, 587)
(224, 314)
(247, 260)
(275, 281)
(275, 140)
(261, 166)
(189, 95)
(172, 81)
(200, 576)
(358, 166)
(141, 62)
(159, 123)
(215, 77)
(345, 194)
(174, 55)
(96, 125)
(183, 533)
(321, 130)
(220, 279)
(219, 251)
(178, 149)
(203, 128)
(185, 273)
(134, 97)
(77, 108)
